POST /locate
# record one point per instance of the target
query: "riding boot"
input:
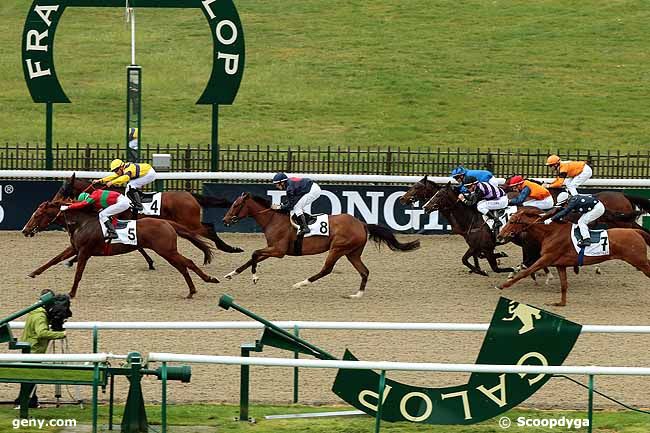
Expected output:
(136, 201)
(302, 222)
(110, 230)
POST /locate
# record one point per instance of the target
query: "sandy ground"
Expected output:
(428, 285)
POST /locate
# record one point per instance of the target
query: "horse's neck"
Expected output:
(260, 214)
(463, 217)
(540, 231)
(431, 190)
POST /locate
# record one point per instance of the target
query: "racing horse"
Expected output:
(181, 207)
(557, 248)
(347, 237)
(87, 240)
(469, 223)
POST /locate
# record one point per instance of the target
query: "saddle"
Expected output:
(594, 234)
(311, 219)
(147, 197)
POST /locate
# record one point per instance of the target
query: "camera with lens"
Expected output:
(58, 311)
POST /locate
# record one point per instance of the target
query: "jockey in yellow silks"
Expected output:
(134, 175)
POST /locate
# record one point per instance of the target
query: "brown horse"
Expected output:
(469, 223)
(347, 237)
(181, 207)
(557, 248)
(87, 240)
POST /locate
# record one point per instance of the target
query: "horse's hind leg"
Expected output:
(205, 277)
(147, 258)
(176, 260)
(333, 256)
(564, 283)
(220, 244)
(355, 258)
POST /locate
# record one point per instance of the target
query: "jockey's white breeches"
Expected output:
(306, 200)
(494, 182)
(120, 206)
(544, 204)
(484, 206)
(141, 181)
(573, 183)
(590, 216)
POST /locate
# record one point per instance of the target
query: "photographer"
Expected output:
(37, 332)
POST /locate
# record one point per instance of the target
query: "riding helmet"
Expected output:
(116, 163)
(470, 180)
(458, 171)
(280, 177)
(515, 180)
(562, 198)
(552, 160)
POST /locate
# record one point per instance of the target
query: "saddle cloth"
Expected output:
(319, 224)
(126, 232)
(504, 217)
(599, 242)
(151, 202)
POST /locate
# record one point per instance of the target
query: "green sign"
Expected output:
(223, 19)
(519, 334)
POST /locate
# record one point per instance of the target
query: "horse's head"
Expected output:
(420, 191)
(445, 198)
(67, 190)
(520, 222)
(46, 213)
(238, 210)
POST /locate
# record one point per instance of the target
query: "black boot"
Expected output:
(136, 201)
(302, 222)
(110, 230)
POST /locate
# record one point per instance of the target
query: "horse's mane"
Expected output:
(261, 200)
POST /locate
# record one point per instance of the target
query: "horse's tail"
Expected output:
(208, 201)
(381, 234)
(183, 232)
(640, 202)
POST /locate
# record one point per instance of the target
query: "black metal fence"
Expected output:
(436, 161)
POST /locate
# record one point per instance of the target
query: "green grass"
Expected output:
(222, 418)
(549, 74)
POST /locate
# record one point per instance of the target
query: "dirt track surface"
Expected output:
(428, 285)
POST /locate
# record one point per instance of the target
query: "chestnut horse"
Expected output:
(181, 207)
(87, 240)
(347, 237)
(625, 244)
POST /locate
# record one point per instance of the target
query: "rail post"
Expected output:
(244, 380)
(590, 410)
(380, 402)
(296, 355)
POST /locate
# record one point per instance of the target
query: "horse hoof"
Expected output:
(213, 280)
(558, 304)
(189, 296)
(230, 275)
(357, 295)
(32, 275)
(301, 284)
(69, 264)
(598, 271)
(255, 279)
(151, 268)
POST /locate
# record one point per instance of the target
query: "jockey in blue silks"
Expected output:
(459, 173)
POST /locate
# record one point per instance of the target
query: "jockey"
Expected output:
(110, 202)
(570, 173)
(134, 175)
(589, 206)
(530, 194)
(490, 200)
(301, 192)
(460, 173)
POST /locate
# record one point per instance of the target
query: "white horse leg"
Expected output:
(302, 283)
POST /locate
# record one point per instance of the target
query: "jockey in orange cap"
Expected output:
(530, 194)
(570, 173)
